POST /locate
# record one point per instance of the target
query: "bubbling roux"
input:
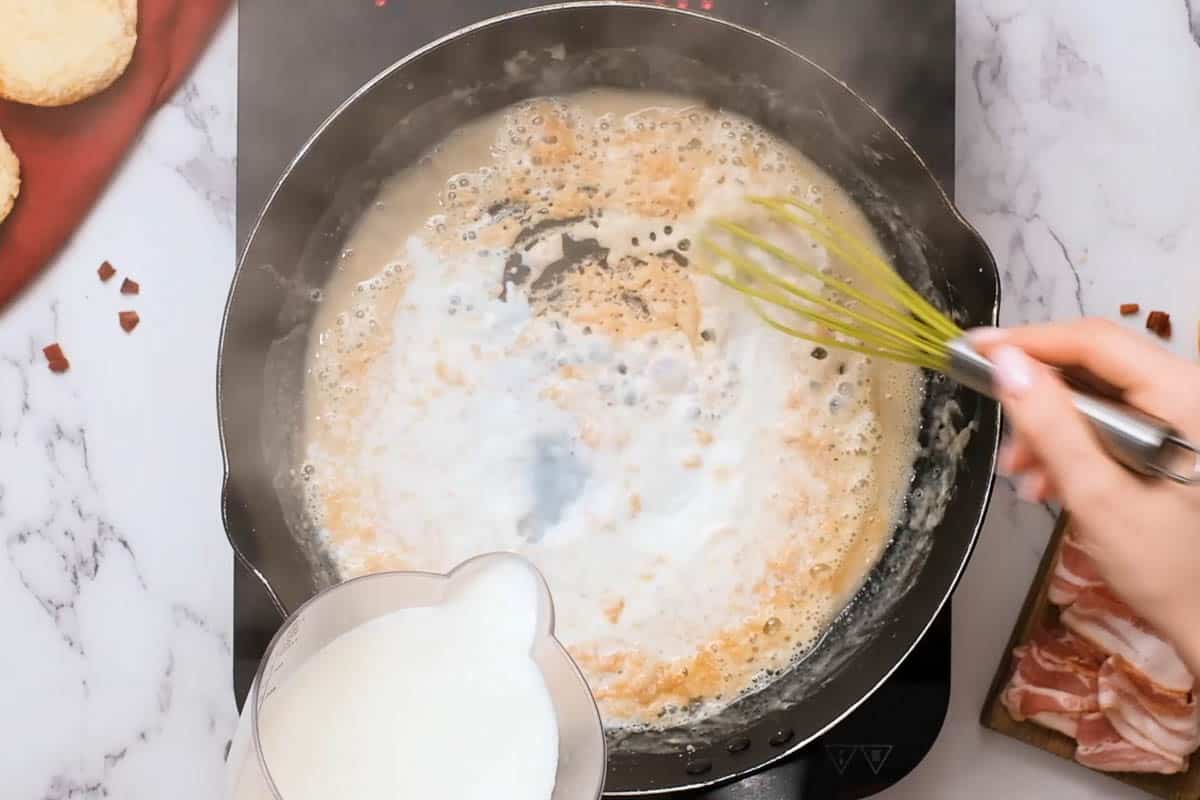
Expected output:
(517, 352)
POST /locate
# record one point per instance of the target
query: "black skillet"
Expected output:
(386, 126)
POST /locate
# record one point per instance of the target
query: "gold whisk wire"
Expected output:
(915, 332)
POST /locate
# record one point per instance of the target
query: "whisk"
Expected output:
(895, 322)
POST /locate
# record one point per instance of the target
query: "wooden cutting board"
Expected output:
(1037, 612)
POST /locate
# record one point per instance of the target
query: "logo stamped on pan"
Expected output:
(840, 755)
(876, 755)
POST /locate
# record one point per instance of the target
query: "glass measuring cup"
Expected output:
(581, 747)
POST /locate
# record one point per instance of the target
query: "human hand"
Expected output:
(1143, 534)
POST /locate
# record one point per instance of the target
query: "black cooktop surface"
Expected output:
(298, 59)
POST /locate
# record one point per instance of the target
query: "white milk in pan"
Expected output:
(436, 702)
(517, 352)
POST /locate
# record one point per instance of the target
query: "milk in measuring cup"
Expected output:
(436, 702)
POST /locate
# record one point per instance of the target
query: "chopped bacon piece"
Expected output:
(1074, 572)
(1167, 723)
(1112, 627)
(1129, 308)
(106, 271)
(1101, 747)
(128, 319)
(130, 287)
(55, 358)
(1160, 323)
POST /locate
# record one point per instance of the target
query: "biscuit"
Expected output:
(10, 178)
(57, 52)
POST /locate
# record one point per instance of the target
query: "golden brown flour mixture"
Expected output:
(517, 352)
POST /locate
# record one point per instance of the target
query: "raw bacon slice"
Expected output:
(1050, 689)
(1074, 573)
(1014, 699)
(1101, 747)
(1066, 724)
(1162, 722)
(1065, 649)
(1111, 626)
(1040, 667)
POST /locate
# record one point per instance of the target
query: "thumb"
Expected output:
(1042, 413)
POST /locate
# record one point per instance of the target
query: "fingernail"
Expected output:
(988, 335)
(1014, 370)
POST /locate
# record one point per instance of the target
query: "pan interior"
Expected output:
(517, 353)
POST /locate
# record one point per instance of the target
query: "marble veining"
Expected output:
(114, 572)
(210, 173)
(1076, 160)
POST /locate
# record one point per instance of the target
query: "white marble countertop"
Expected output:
(1077, 159)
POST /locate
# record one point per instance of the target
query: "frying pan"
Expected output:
(554, 50)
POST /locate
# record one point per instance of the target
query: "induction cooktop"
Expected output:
(297, 61)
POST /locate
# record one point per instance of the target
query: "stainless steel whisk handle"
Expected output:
(1143, 443)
